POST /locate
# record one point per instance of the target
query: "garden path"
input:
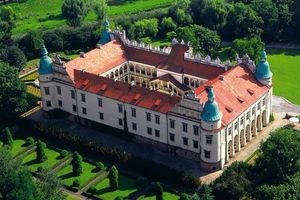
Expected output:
(97, 178)
(280, 104)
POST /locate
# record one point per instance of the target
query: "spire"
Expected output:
(105, 36)
(44, 51)
(45, 66)
(211, 111)
(263, 71)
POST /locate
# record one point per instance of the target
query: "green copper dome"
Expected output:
(45, 66)
(211, 111)
(105, 36)
(263, 68)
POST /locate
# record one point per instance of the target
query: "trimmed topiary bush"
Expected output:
(40, 151)
(92, 190)
(63, 154)
(39, 169)
(100, 166)
(77, 164)
(114, 178)
(7, 137)
(29, 141)
(159, 192)
(76, 183)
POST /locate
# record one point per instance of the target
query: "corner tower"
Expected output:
(263, 72)
(211, 122)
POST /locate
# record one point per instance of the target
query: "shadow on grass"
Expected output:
(32, 162)
(68, 175)
(287, 52)
(103, 191)
(95, 170)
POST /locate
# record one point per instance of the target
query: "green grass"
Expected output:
(31, 76)
(285, 65)
(72, 197)
(33, 165)
(167, 196)
(17, 147)
(67, 176)
(31, 63)
(126, 187)
(45, 14)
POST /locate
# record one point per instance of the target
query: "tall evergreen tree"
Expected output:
(74, 11)
(77, 164)
(40, 151)
(7, 137)
(114, 178)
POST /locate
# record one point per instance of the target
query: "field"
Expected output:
(285, 65)
(45, 14)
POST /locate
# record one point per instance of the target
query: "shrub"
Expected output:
(119, 198)
(76, 164)
(184, 196)
(92, 190)
(100, 166)
(141, 181)
(63, 154)
(159, 192)
(76, 183)
(114, 178)
(7, 138)
(29, 141)
(39, 169)
(40, 151)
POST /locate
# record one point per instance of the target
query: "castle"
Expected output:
(195, 107)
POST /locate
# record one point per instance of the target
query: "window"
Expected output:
(242, 120)
(120, 121)
(253, 110)
(172, 123)
(258, 106)
(208, 139)
(185, 141)
(101, 116)
(120, 108)
(248, 115)
(264, 101)
(59, 103)
(195, 144)
(149, 131)
(133, 112)
(235, 125)
(148, 116)
(229, 131)
(172, 137)
(48, 103)
(84, 110)
(47, 91)
(58, 89)
(133, 126)
(82, 97)
(206, 154)
(157, 119)
(72, 94)
(74, 108)
(100, 102)
(157, 133)
(184, 127)
(196, 130)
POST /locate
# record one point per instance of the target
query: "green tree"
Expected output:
(184, 196)
(209, 13)
(180, 12)
(49, 186)
(146, 27)
(74, 11)
(114, 178)
(159, 192)
(32, 43)
(14, 56)
(252, 47)
(40, 151)
(7, 22)
(7, 137)
(77, 164)
(243, 21)
(279, 157)
(204, 192)
(233, 183)
(12, 94)
(167, 25)
(99, 7)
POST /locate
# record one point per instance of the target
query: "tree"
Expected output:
(77, 164)
(252, 47)
(12, 94)
(234, 182)
(40, 151)
(100, 8)
(7, 22)
(114, 178)
(167, 25)
(159, 192)
(74, 11)
(204, 192)
(32, 43)
(49, 186)
(7, 137)
(242, 21)
(209, 13)
(184, 196)
(279, 157)
(146, 27)
(180, 12)
(14, 56)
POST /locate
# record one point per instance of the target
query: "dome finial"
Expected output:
(45, 66)
(44, 51)
(264, 55)
(211, 112)
(263, 71)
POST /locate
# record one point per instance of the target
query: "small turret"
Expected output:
(45, 66)
(105, 36)
(263, 72)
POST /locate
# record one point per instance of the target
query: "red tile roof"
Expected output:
(232, 93)
(124, 92)
(170, 78)
(98, 60)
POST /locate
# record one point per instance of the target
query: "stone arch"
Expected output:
(154, 73)
(126, 79)
(230, 149)
(144, 83)
(236, 144)
(125, 69)
(131, 68)
(186, 81)
(112, 75)
(193, 83)
(264, 118)
(148, 71)
(116, 72)
(253, 128)
(248, 134)
(143, 71)
(258, 123)
(197, 84)
(121, 71)
(242, 138)
(137, 69)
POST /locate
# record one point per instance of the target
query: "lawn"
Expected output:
(126, 187)
(33, 165)
(67, 176)
(17, 147)
(35, 91)
(167, 196)
(31, 76)
(285, 65)
(45, 14)
(72, 197)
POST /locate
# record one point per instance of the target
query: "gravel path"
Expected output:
(280, 104)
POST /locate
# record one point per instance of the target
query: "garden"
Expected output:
(79, 174)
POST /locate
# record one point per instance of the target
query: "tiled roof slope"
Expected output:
(235, 93)
(170, 78)
(98, 60)
(124, 92)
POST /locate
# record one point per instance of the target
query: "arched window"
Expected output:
(121, 70)
(117, 73)
(112, 75)
(131, 68)
(197, 84)
(186, 80)
(125, 68)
